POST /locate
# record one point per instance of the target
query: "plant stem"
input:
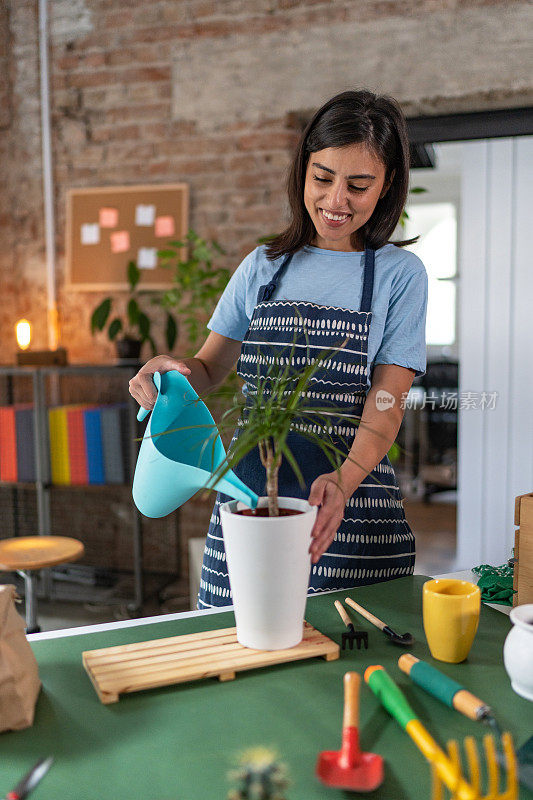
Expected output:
(271, 462)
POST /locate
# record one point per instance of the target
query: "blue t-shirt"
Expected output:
(334, 278)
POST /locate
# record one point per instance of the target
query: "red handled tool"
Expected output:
(349, 768)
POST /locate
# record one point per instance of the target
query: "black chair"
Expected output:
(438, 445)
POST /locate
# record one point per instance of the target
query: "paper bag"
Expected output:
(19, 675)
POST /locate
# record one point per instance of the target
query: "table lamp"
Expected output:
(35, 358)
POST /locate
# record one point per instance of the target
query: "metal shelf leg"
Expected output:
(31, 602)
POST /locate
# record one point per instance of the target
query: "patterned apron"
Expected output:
(374, 542)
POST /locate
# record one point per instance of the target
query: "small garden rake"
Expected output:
(351, 635)
(446, 767)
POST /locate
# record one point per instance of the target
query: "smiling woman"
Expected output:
(342, 187)
(372, 129)
(336, 266)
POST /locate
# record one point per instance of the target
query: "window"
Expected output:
(436, 224)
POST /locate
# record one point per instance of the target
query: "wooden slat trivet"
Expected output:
(163, 662)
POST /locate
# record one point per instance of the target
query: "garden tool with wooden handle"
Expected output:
(447, 690)
(404, 639)
(351, 635)
(446, 766)
(349, 768)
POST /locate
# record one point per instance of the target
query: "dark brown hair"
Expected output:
(352, 117)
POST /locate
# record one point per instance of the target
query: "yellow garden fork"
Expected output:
(446, 767)
(493, 773)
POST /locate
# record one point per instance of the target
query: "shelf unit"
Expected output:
(46, 391)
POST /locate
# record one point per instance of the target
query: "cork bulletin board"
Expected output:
(108, 227)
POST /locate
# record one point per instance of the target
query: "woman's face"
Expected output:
(342, 188)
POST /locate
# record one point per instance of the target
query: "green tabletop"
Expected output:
(178, 743)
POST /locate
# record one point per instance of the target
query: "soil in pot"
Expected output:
(263, 512)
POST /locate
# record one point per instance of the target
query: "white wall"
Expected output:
(496, 344)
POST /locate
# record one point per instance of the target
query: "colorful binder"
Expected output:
(24, 430)
(112, 443)
(77, 449)
(59, 456)
(8, 444)
(93, 443)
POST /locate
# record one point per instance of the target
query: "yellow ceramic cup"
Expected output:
(451, 616)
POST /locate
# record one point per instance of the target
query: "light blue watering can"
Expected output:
(173, 466)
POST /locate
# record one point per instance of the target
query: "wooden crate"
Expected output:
(212, 654)
(523, 571)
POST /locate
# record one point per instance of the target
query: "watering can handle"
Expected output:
(142, 413)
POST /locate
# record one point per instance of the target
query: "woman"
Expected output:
(347, 188)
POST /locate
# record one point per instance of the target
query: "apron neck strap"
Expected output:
(265, 292)
(368, 280)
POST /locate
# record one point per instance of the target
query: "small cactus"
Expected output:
(260, 776)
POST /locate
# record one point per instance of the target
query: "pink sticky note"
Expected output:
(108, 217)
(164, 226)
(120, 242)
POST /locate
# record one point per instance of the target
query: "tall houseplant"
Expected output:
(266, 418)
(268, 557)
(135, 325)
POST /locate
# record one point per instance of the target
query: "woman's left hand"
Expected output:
(327, 493)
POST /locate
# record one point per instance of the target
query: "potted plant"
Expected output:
(267, 549)
(135, 327)
(196, 283)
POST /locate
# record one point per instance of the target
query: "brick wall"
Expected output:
(156, 91)
(204, 92)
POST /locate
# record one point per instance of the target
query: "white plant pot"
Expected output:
(268, 564)
(518, 651)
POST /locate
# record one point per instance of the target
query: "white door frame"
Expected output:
(495, 447)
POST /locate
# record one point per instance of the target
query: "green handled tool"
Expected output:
(392, 698)
(447, 690)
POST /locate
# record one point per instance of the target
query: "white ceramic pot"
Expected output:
(268, 565)
(518, 651)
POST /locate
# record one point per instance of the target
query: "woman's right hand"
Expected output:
(142, 386)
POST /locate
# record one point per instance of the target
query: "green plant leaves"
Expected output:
(195, 290)
(171, 331)
(144, 325)
(133, 312)
(197, 284)
(100, 315)
(267, 415)
(134, 274)
(114, 328)
(266, 239)
(166, 255)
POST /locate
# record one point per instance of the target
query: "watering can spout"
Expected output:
(232, 485)
(180, 451)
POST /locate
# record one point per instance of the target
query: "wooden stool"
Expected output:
(25, 554)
